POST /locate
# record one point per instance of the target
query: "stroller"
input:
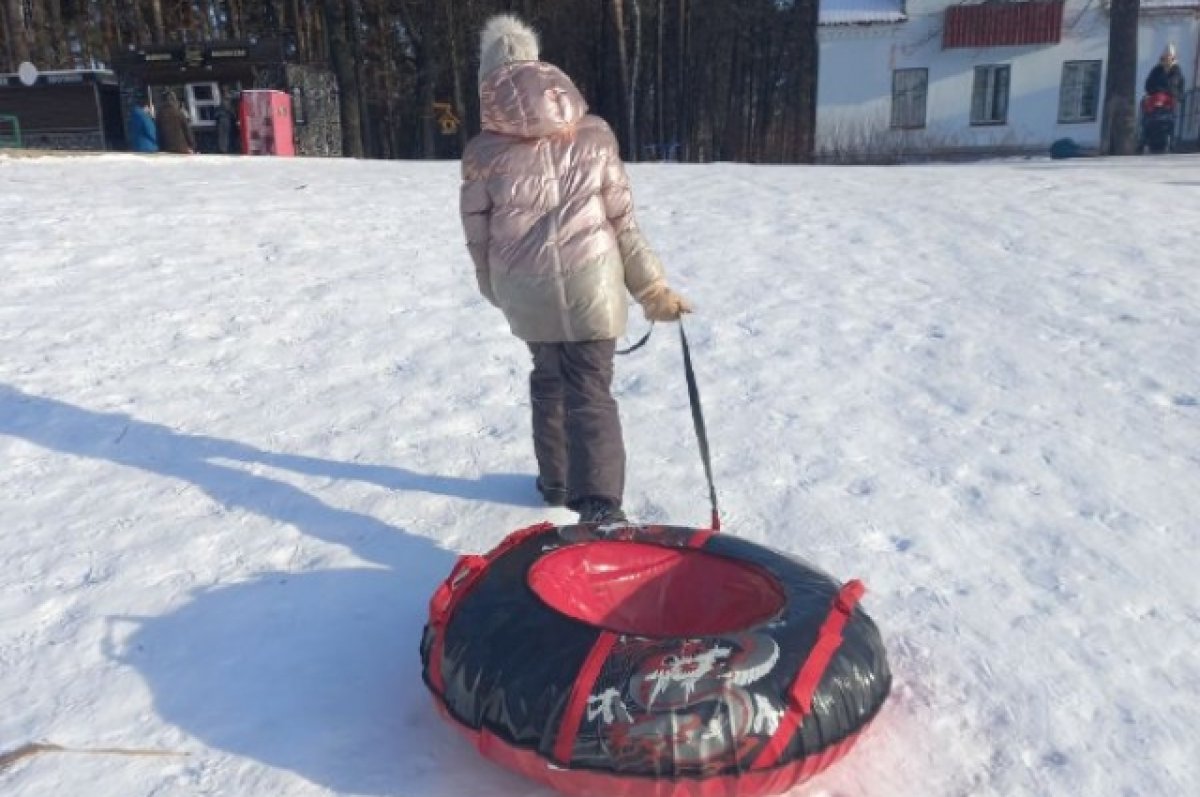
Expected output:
(1158, 123)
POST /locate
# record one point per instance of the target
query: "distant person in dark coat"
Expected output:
(174, 132)
(143, 135)
(1166, 76)
(229, 134)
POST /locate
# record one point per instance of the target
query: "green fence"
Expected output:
(10, 131)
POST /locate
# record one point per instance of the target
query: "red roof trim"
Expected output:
(1003, 24)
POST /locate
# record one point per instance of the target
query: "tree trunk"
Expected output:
(618, 10)
(160, 30)
(634, 74)
(298, 34)
(729, 147)
(681, 118)
(56, 45)
(807, 67)
(1119, 134)
(427, 96)
(18, 36)
(458, 69)
(659, 128)
(236, 19)
(422, 42)
(8, 39)
(344, 70)
(771, 68)
(360, 79)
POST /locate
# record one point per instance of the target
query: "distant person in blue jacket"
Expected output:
(143, 135)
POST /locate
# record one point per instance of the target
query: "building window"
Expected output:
(1079, 95)
(989, 100)
(909, 87)
(202, 101)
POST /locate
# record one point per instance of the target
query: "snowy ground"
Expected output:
(250, 410)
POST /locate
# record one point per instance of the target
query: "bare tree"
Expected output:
(681, 119)
(1119, 135)
(160, 28)
(347, 77)
(618, 17)
(422, 40)
(806, 71)
(18, 33)
(635, 72)
(659, 132)
(458, 67)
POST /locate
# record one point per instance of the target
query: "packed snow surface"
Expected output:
(252, 409)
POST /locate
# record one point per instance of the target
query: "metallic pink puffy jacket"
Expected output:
(548, 213)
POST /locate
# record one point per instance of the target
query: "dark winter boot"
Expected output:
(600, 510)
(553, 494)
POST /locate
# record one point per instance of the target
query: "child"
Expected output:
(548, 215)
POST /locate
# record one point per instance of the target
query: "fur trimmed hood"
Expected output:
(505, 40)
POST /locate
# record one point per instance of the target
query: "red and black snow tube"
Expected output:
(652, 661)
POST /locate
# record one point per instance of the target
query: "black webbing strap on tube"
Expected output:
(698, 421)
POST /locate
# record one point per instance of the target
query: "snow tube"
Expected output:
(663, 661)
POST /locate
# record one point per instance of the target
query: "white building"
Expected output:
(937, 77)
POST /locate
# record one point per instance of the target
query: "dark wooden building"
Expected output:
(203, 75)
(78, 110)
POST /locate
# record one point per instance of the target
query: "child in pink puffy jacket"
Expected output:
(548, 215)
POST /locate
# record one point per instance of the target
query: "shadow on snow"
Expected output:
(315, 672)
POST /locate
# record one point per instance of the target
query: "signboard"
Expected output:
(63, 78)
(446, 117)
(28, 73)
(198, 55)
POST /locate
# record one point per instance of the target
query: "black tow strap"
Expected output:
(698, 422)
(697, 414)
(640, 343)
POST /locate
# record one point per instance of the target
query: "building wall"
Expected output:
(63, 115)
(854, 93)
(236, 66)
(321, 133)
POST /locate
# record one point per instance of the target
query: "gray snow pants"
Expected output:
(576, 424)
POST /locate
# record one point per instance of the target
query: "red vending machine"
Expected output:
(266, 117)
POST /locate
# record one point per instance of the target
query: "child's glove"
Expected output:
(660, 303)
